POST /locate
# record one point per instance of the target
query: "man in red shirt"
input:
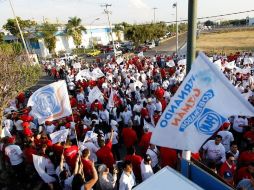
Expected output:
(129, 136)
(247, 156)
(244, 173)
(135, 161)
(168, 157)
(145, 141)
(70, 154)
(87, 164)
(228, 167)
(104, 154)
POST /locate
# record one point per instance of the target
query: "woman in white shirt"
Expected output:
(146, 168)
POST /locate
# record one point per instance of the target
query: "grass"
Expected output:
(226, 42)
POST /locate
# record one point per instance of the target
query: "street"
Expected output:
(168, 47)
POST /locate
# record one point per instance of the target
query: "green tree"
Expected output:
(75, 29)
(25, 26)
(118, 28)
(47, 32)
(1, 37)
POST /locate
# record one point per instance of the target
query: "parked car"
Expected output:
(151, 45)
(68, 56)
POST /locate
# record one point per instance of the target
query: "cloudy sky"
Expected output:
(132, 11)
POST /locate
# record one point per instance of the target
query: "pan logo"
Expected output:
(209, 122)
(46, 102)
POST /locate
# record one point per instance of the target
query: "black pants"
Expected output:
(115, 151)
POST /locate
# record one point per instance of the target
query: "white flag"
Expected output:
(90, 135)
(59, 136)
(200, 106)
(83, 74)
(40, 165)
(50, 102)
(111, 103)
(5, 132)
(94, 94)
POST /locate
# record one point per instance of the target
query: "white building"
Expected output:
(64, 43)
(251, 21)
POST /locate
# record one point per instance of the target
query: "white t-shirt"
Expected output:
(50, 168)
(214, 152)
(154, 155)
(146, 170)
(18, 125)
(9, 124)
(115, 136)
(227, 138)
(126, 182)
(14, 153)
(137, 108)
(126, 116)
(80, 97)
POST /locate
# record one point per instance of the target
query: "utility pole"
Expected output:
(175, 6)
(109, 22)
(21, 34)
(192, 32)
(154, 9)
(91, 31)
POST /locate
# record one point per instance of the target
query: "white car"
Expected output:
(151, 45)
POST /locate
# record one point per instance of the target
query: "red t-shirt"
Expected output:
(58, 149)
(135, 161)
(246, 157)
(168, 157)
(88, 169)
(145, 140)
(105, 155)
(242, 173)
(129, 137)
(28, 153)
(144, 112)
(225, 168)
(70, 155)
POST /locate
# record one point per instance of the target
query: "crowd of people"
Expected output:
(108, 146)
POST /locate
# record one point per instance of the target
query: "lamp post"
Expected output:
(175, 6)
(154, 9)
(21, 34)
(91, 31)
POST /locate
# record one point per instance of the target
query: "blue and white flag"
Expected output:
(50, 102)
(200, 106)
(59, 136)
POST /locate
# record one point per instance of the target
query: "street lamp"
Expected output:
(175, 6)
(91, 31)
(154, 9)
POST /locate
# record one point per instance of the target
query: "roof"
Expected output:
(167, 178)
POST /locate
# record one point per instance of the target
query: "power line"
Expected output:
(214, 16)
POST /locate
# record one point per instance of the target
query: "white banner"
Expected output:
(94, 94)
(40, 165)
(200, 106)
(111, 103)
(83, 74)
(97, 73)
(59, 136)
(50, 102)
(230, 65)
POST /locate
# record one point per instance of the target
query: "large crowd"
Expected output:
(108, 145)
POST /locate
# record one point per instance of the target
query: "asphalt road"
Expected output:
(169, 46)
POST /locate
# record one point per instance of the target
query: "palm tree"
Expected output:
(47, 32)
(75, 29)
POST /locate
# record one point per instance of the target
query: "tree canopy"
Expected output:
(75, 29)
